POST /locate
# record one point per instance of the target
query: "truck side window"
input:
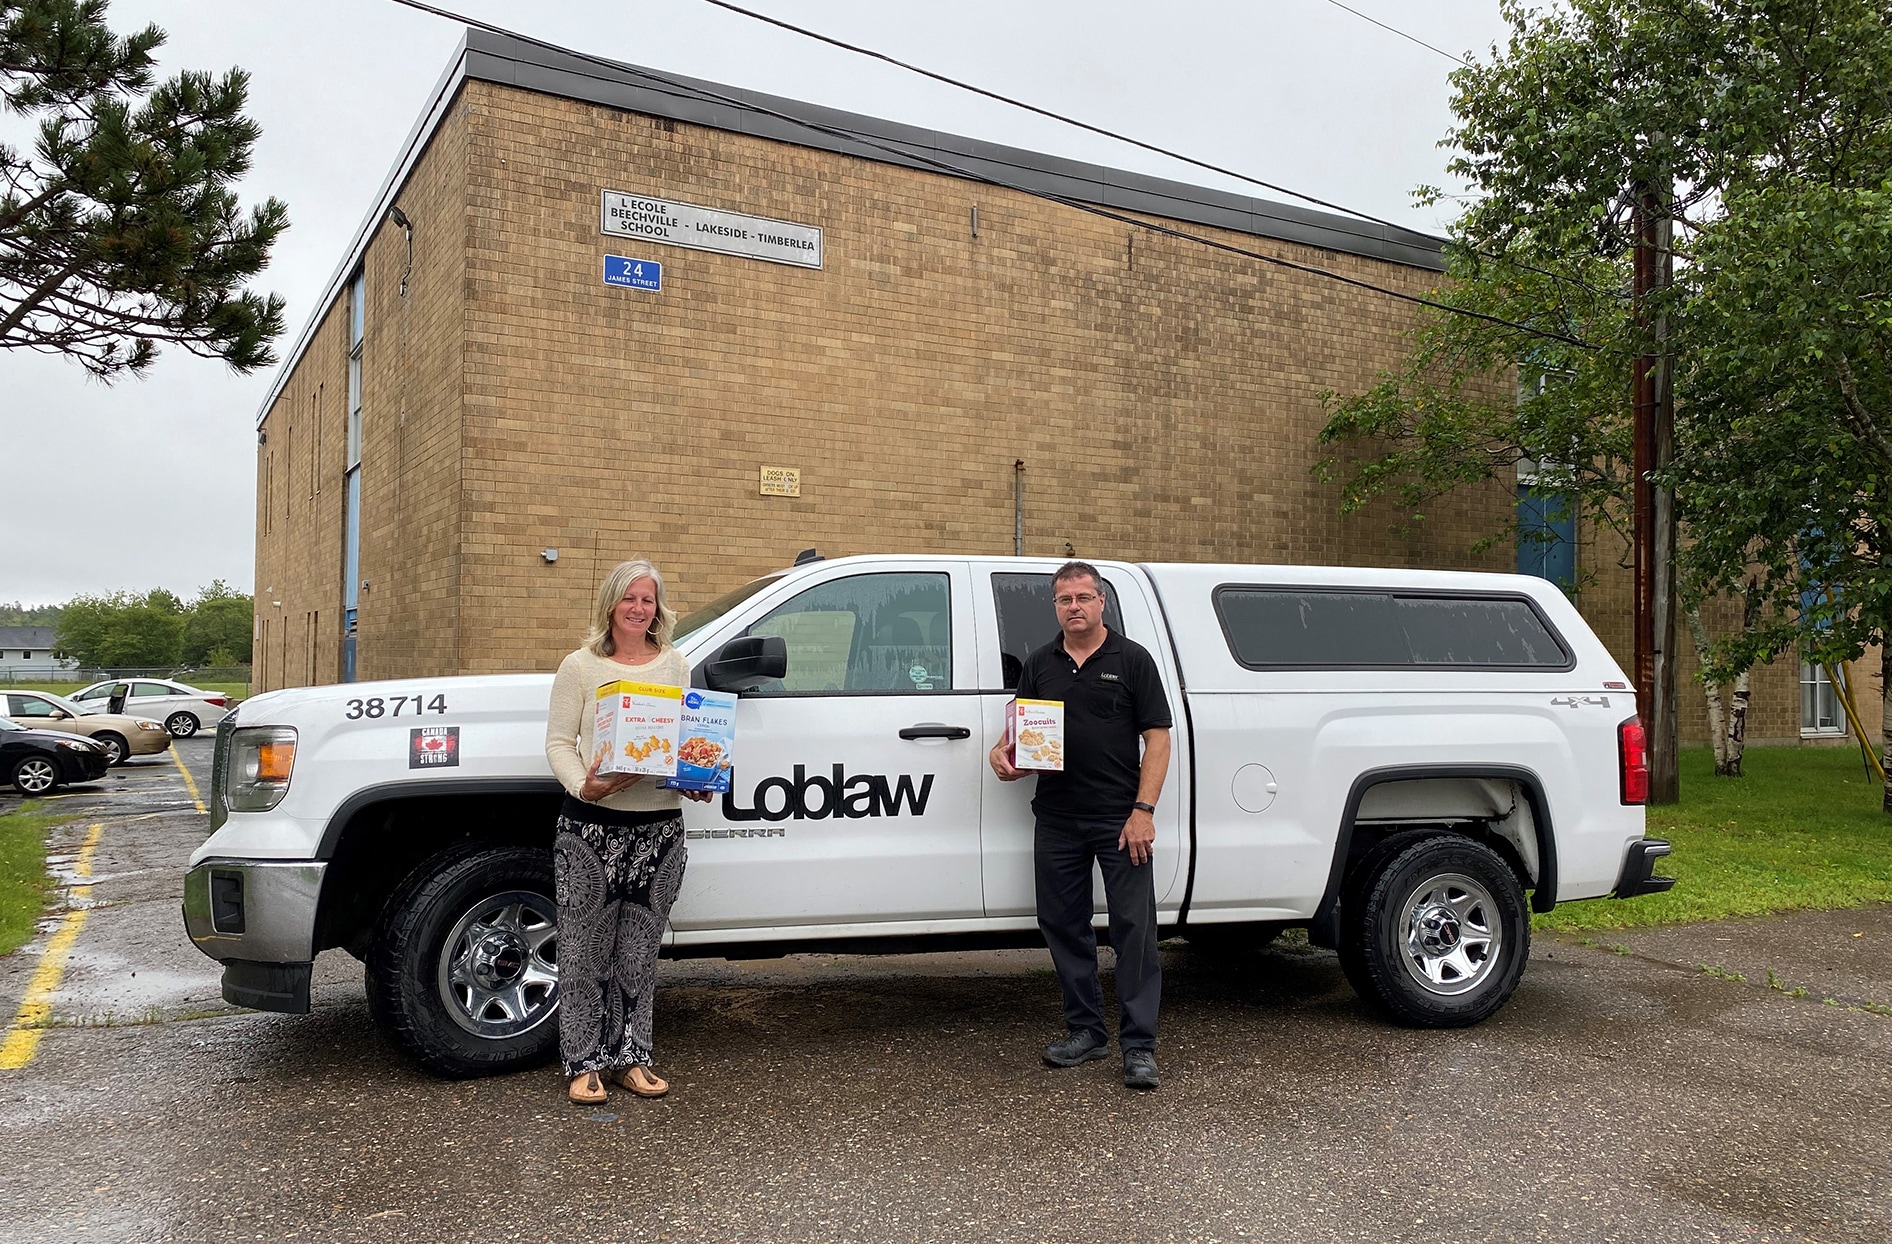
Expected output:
(1328, 629)
(1460, 630)
(868, 632)
(1028, 621)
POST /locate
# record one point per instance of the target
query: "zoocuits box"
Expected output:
(636, 728)
(1034, 729)
(708, 750)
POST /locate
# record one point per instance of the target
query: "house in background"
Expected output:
(27, 652)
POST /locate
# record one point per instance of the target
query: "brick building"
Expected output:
(858, 342)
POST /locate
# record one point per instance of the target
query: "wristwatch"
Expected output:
(1145, 807)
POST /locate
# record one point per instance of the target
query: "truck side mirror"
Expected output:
(746, 662)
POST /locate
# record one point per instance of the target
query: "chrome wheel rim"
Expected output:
(1453, 934)
(35, 776)
(181, 725)
(114, 750)
(499, 965)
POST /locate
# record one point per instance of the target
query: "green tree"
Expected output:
(1786, 458)
(1772, 121)
(218, 629)
(121, 630)
(119, 229)
(17, 614)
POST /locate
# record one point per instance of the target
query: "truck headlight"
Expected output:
(261, 760)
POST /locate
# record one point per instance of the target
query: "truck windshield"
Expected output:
(722, 605)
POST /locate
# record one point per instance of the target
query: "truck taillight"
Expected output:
(1632, 760)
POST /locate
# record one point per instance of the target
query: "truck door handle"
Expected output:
(936, 730)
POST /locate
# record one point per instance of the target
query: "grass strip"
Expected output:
(1803, 830)
(24, 885)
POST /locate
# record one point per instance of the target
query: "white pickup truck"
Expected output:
(1390, 758)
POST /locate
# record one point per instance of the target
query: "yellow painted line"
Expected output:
(23, 1037)
(189, 784)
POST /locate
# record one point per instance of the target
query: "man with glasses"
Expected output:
(1100, 807)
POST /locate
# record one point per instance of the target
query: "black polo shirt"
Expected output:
(1108, 703)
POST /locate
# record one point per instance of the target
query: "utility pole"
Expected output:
(1654, 508)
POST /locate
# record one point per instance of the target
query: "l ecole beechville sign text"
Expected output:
(706, 229)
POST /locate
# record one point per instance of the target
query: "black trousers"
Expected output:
(616, 875)
(1063, 856)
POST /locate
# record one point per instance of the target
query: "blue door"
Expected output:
(1547, 535)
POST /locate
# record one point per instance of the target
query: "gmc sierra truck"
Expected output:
(1405, 763)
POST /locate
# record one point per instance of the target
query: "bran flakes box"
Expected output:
(708, 750)
(1035, 731)
(635, 730)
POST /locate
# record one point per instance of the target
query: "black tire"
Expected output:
(35, 775)
(182, 724)
(1232, 940)
(431, 942)
(1436, 932)
(117, 751)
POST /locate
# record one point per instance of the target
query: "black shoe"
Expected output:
(1076, 1049)
(1139, 1070)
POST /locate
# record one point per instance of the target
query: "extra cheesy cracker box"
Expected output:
(708, 750)
(636, 728)
(1034, 729)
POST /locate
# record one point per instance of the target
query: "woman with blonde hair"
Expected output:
(619, 852)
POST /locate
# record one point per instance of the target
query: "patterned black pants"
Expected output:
(618, 874)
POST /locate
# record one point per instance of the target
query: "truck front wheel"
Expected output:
(463, 973)
(1437, 934)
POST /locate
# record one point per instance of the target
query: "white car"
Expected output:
(182, 708)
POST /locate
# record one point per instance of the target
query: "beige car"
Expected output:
(121, 736)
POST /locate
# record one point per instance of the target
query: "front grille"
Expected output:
(219, 771)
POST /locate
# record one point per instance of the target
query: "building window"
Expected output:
(1820, 709)
(351, 477)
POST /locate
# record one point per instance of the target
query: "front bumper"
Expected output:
(258, 920)
(1638, 876)
(82, 766)
(150, 742)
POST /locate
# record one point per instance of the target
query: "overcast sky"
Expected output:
(151, 483)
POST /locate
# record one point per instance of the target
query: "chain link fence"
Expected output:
(229, 679)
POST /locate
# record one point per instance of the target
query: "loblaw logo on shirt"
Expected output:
(814, 798)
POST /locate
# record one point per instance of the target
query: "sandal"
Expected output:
(640, 1081)
(586, 1089)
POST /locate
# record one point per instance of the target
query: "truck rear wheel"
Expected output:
(463, 973)
(1436, 934)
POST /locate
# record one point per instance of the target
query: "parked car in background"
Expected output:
(38, 761)
(122, 736)
(182, 708)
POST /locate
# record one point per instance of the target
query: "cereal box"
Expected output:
(708, 750)
(1035, 730)
(636, 728)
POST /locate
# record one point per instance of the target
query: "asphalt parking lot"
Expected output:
(1653, 1086)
